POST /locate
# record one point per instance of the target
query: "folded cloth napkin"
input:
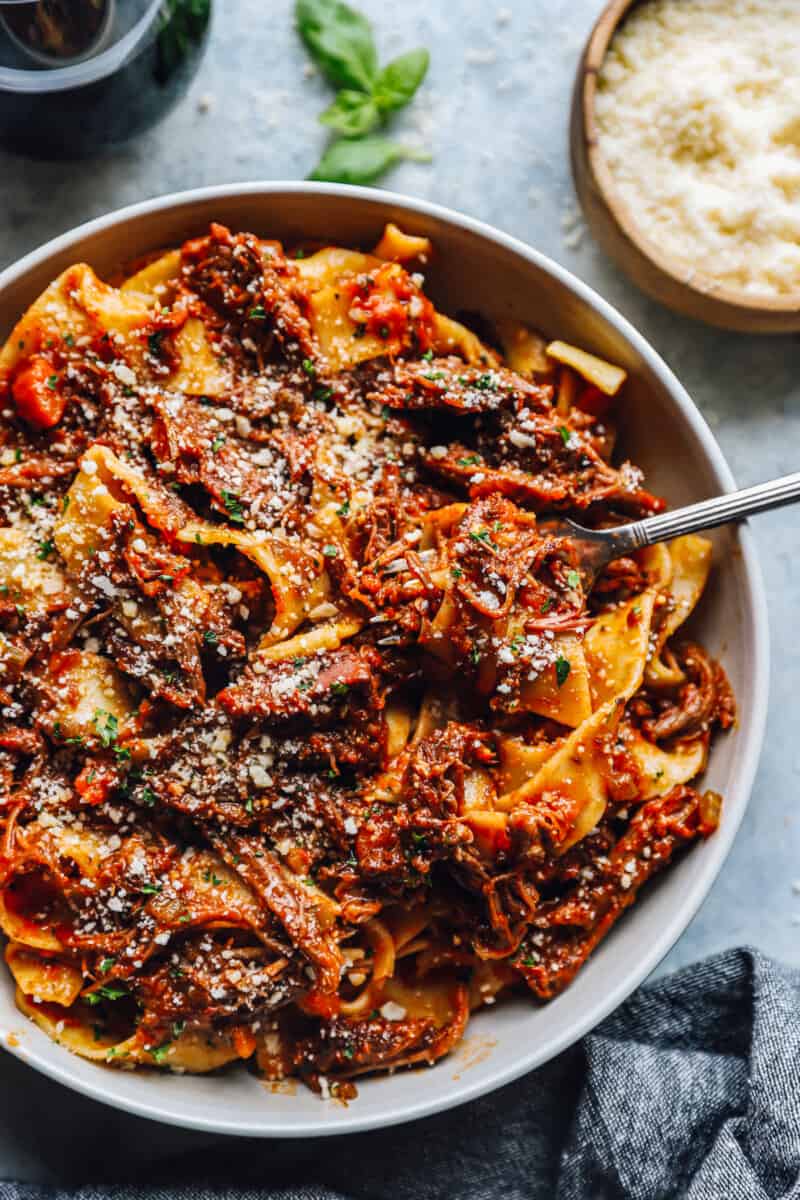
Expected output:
(691, 1089)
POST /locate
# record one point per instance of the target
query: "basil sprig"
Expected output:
(340, 40)
(361, 160)
(352, 114)
(398, 82)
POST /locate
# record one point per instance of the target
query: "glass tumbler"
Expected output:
(81, 76)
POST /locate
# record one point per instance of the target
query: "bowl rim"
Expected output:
(602, 34)
(358, 1120)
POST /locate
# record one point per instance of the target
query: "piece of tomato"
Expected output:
(37, 394)
(592, 400)
(96, 782)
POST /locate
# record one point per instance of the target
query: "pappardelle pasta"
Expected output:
(311, 740)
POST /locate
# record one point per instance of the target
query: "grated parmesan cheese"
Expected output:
(698, 112)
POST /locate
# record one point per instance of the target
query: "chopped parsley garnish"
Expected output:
(562, 670)
(323, 394)
(434, 376)
(46, 548)
(456, 572)
(52, 380)
(248, 807)
(475, 655)
(148, 797)
(344, 509)
(69, 339)
(330, 551)
(469, 461)
(233, 507)
(257, 313)
(212, 878)
(210, 637)
(218, 443)
(573, 579)
(107, 964)
(107, 991)
(428, 355)
(339, 689)
(159, 1053)
(547, 605)
(150, 889)
(107, 726)
(154, 342)
(309, 367)
(565, 434)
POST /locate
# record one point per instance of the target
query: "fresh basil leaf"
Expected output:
(340, 39)
(352, 114)
(358, 161)
(398, 81)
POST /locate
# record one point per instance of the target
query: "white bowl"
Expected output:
(475, 267)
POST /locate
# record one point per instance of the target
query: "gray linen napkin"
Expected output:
(691, 1089)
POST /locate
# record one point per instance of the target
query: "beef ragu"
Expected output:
(312, 742)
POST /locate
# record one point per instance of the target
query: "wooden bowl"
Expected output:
(614, 224)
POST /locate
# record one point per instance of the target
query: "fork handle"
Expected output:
(734, 506)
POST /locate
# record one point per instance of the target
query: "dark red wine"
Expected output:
(57, 32)
(80, 76)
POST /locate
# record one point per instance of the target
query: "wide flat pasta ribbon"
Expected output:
(616, 650)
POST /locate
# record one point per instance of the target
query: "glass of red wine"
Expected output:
(81, 76)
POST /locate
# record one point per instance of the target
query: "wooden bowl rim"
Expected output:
(597, 46)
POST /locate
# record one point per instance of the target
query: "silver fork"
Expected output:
(595, 548)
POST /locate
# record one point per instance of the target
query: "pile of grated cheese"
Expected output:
(698, 113)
